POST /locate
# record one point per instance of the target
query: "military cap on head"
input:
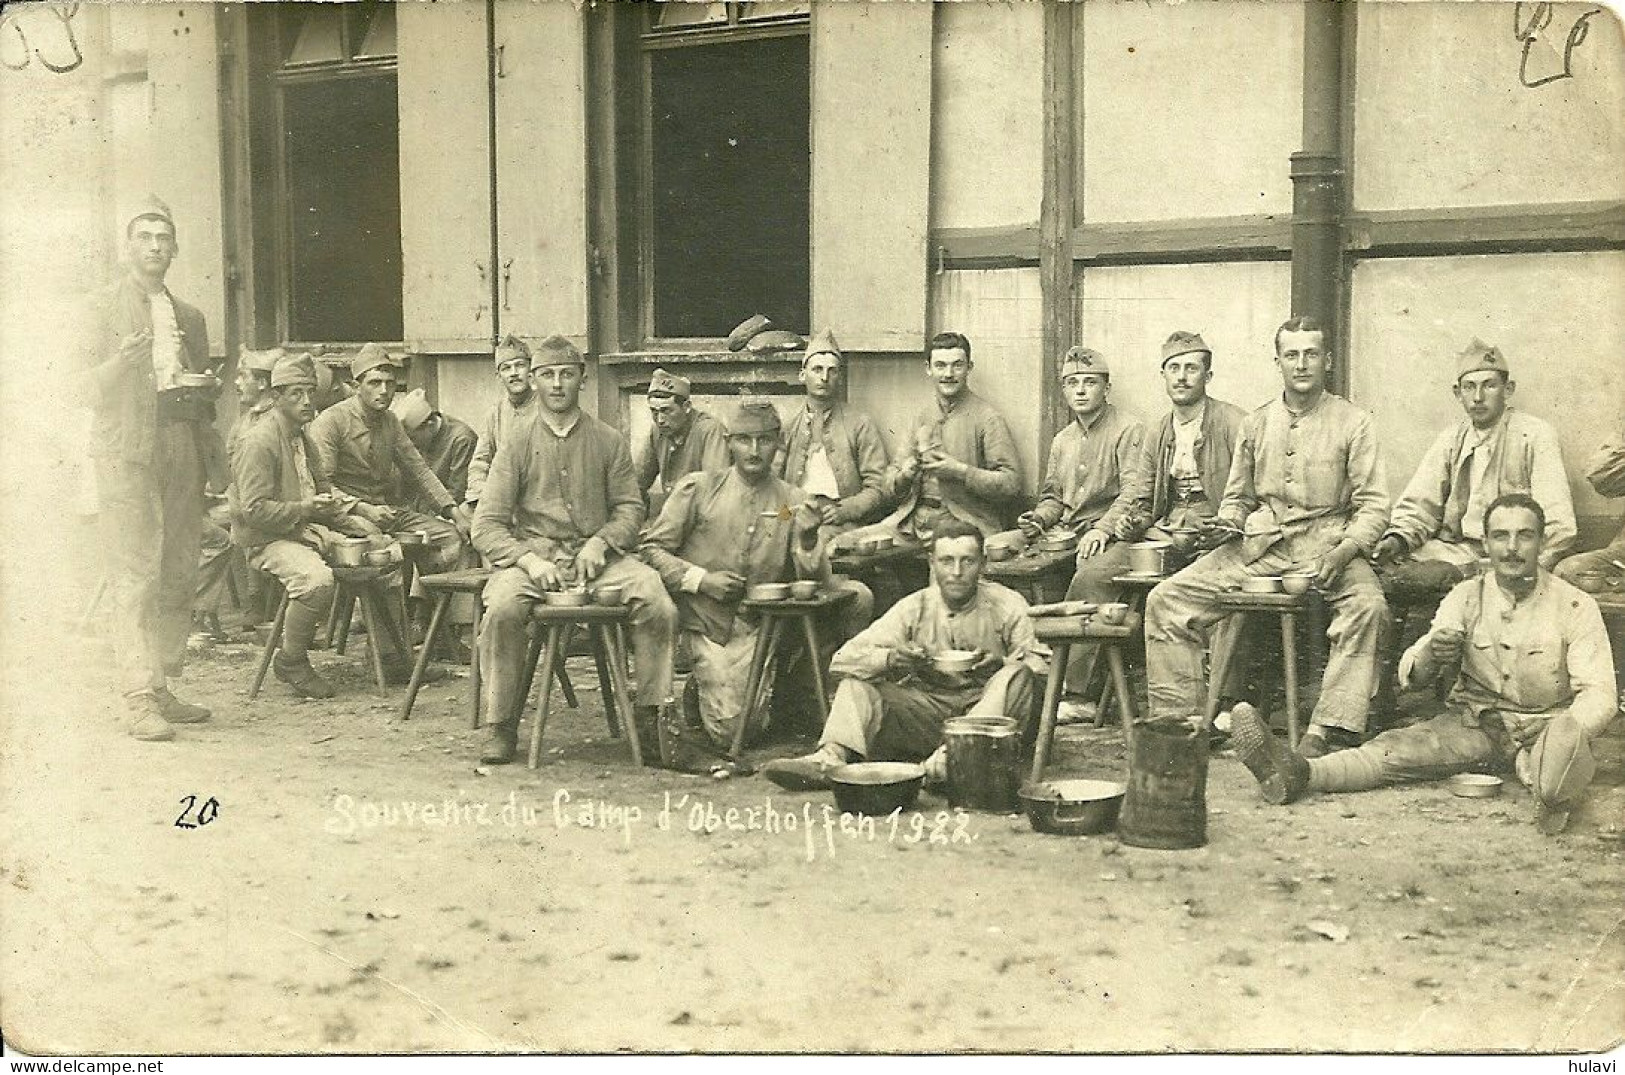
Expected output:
(262, 361)
(509, 348)
(370, 357)
(663, 385)
(292, 370)
(556, 351)
(1481, 356)
(1085, 360)
(149, 206)
(1185, 343)
(754, 415)
(823, 344)
(412, 408)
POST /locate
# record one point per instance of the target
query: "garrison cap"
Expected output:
(822, 344)
(370, 357)
(412, 408)
(1085, 360)
(754, 415)
(509, 348)
(149, 206)
(663, 385)
(1185, 343)
(291, 370)
(556, 351)
(262, 361)
(1481, 356)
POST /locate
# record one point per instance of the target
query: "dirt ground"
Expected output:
(334, 901)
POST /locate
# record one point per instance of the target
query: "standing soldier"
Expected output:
(150, 439)
(517, 405)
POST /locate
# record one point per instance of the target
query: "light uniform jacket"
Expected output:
(549, 494)
(124, 395)
(1547, 652)
(1524, 458)
(856, 452)
(1095, 475)
(716, 521)
(1317, 476)
(995, 621)
(1215, 448)
(703, 447)
(449, 454)
(504, 418)
(265, 483)
(374, 461)
(973, 432)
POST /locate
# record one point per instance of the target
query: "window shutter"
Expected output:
(871, 147)
(445, 167)
(542, 170)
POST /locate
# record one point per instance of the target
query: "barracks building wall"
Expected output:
(641, 177)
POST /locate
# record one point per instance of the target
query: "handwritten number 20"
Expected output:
(204, 814)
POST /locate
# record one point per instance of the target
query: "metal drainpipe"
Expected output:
(1318, 200)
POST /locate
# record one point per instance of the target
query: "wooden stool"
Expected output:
(775, 617)
(444, 587)
(1061, 632)
(350, 584)
(1287, 607)
(1138, 587)
(558, 624)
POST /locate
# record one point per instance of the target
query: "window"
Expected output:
(725, 174)
(325, 163)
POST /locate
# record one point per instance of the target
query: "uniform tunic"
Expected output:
(882, 719)
(548, 493)
(1301, 483)
(1539, 661)
(717, 521)
(969, 429)
(704, 446)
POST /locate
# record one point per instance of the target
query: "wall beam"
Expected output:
(1056, 207)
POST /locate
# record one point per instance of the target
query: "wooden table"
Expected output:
(1038, 576)
(1061, 632)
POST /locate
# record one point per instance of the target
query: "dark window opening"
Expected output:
(343, 207)
(730, 181)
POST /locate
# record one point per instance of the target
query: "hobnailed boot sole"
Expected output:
(1255, 746)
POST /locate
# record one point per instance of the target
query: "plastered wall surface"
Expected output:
(1188, 109)
(987, 114)
(1442, 116)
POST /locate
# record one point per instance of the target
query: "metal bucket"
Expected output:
(984, 763)
(1149, 557)
(1166, 804)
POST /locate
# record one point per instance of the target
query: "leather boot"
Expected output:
(292, 663)
(501, 743)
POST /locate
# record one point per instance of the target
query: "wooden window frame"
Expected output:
(260, 244)
(639, 174)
